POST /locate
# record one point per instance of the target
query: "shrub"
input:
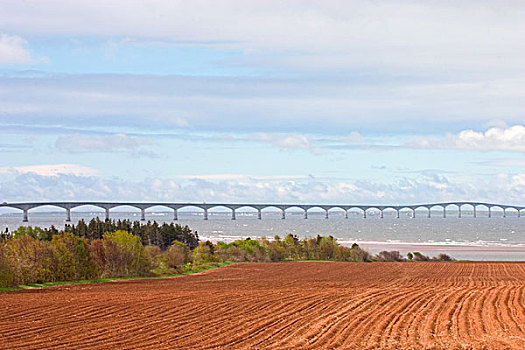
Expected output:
(257, 255)
(357, 254)
(98, 256)
(274, 250)
(178, 255)
(236, 254)
(155, 256)
(420, 257)
(443, 257)
(310, 248)
(389, 256)
(204, 255)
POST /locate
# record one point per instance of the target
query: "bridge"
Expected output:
(143, 206)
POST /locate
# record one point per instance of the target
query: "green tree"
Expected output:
(6, 273)
(71, 259)
(124, 255)
(33, 232)
(327, 248)
(30, 260)
(204, 255)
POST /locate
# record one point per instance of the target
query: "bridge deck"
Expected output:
(175, 206)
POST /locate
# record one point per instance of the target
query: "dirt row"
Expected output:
(295, 305)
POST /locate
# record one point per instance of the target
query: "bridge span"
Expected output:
(143, 206)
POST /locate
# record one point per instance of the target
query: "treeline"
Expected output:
(25, 259)
(415, 256)
(34, 255)
(293, 248)
(288, 248)
(150, 233)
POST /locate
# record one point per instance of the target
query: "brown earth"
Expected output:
(296, 305)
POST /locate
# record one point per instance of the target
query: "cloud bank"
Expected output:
(50, 170)
(30, 186)
(509, 139)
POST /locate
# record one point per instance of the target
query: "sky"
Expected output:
(313, 102)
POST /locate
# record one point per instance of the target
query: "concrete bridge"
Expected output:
(143, 206)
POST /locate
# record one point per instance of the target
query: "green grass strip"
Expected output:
(112, 279)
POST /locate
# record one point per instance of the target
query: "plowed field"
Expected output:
(299, 305)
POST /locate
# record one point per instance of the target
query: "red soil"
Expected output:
(298, 305)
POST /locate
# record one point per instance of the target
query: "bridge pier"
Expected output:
(233, 214)
(490, 212)
(346, 214)
(519, 213)
(397, 213)
(381, 215)
(259, 214)
(68, 215)
(504, 212)
(364, 213)
(326, 214)
(26, 216)
(107, 213)
(205, 213)
(475, 214)
(305, 214)
(444, 212)
(428, 215)
(283, 214)
(175, 215)
(142, 214)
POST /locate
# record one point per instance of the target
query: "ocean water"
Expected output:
(480, 238)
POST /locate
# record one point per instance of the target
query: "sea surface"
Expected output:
(480, 238)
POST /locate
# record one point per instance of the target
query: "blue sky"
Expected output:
(262, 101)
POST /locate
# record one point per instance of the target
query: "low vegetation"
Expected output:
(112, 249)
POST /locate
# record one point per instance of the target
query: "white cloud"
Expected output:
(288, 141)
(13, 51)
(50, 170)
(500, 188)
(107, 143)
(510, 139)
